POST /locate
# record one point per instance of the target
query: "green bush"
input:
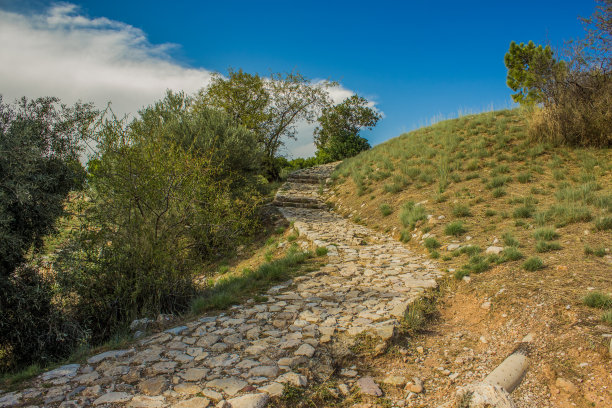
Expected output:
(405, 235)
(461, 210)
(545, 246)
(385, 210)
(162, 201)
(39, 166)
(455, 228)
(321, 251)
(431, 243)
(603, 224)
(598, 299)
(547, 234)
(511, 254)
(411, 213)
(533, 264)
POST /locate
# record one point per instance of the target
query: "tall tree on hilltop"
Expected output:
(337, 136)
(270, 107)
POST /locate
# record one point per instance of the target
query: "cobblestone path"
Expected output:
(239, 358)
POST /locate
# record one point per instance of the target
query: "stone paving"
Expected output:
(239, 358)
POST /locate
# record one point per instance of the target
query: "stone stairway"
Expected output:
(242, 357)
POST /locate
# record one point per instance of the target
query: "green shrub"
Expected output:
(405, 235)
(533, 264)
(455, 228)
(525, 211)
(461, 210)
(524, 178)
(321, 251)
(499, 192)
(477, 264)
(40, 144)
(546, 246)
(600, 252)
(547, 234)
(431, 243)
(490, 213)
(598, 299)
(607, 317)
(385, 210)
(411, 213)
(603, 223)
(499, 181)
(509, 240)
(470, 250)
(510, 254)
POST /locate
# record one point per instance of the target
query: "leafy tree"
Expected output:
(337, 136)
(530, 68)
(163, 200)
(40, 141)
(270, 107)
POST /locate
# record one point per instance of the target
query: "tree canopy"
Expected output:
(270, 107)
(337, 135)
(530, 67)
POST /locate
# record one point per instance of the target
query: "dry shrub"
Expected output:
(579, 114)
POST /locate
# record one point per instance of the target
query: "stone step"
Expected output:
(304, 179)
(300, 204)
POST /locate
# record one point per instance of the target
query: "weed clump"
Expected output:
(412, 213)
(455, 228)
(533, 264)
(598, 300)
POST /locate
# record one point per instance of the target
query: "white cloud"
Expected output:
(60, 52)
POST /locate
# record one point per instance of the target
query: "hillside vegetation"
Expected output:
(478, 181)
(528, 222)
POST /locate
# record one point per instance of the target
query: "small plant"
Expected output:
(498, 181)
(405, 235)
(431, 243)
(470, 250)
(524, 178)
(385, 209)
(525, 211)
(600, 252)
(477, 264)
(490, 213)
(279, 230)
(603, 224)
(499, 192)
(607, 317)
(510, 254)
(546, 246)
(412, 213)
(292, 237)
(434, 254)
(462, 210)
(546, 234)
(455, 228)
(533, 264)
(321, 251)
(509, 240)
(598, 299)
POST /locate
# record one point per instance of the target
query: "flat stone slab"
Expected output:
(249, 401)
(369, 387)
(113, 398)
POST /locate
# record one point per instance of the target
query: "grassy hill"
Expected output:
(531, 224)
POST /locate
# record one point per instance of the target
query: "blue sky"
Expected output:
(415, 60)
